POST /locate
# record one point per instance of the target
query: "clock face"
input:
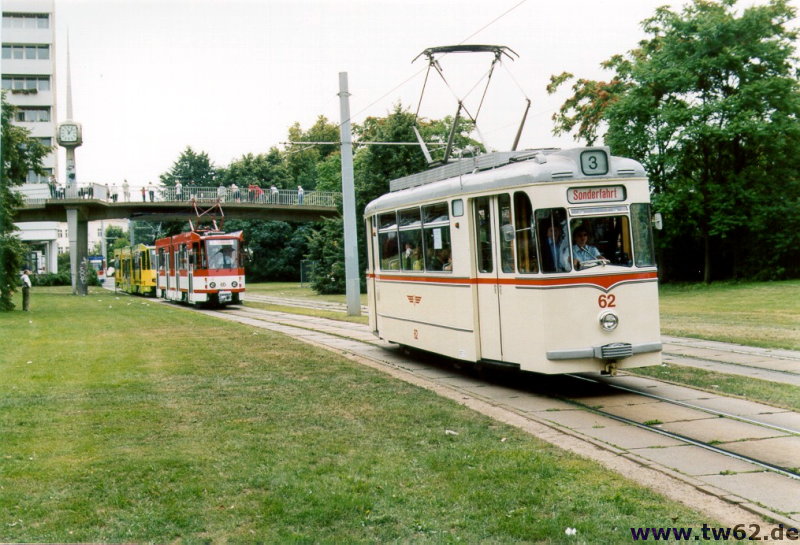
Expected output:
(68, 133)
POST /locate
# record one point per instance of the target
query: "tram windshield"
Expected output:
(594, 236)
(222, 254)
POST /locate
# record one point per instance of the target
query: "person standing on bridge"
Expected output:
(126, 190)
(144, 194)
(273, 194)
(300, 194)
(221, 193)
(178, 191)
(151, 190)
(51, 182)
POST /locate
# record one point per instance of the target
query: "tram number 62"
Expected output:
(607, 301)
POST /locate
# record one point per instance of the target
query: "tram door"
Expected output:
(486, 234)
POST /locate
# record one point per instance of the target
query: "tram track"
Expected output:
(793, 473)
(595, 416)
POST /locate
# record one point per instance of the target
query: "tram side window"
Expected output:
(643, 250)
(388, 249)
(551, 231)
(410, 240)
(436, 233)
(483, 234)
(607, 237)
(527, 261)
(506, 234)
(183, 258)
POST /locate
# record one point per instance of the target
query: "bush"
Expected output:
(62, 278)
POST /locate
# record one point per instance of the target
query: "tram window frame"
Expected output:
(183, 257)
(610, 234)
(553, 217)
(484, 244)
(525, 234)
(505, 225)
(644, 253)
(388, 242)
(409, 226)
(438, 245)
(411, 259)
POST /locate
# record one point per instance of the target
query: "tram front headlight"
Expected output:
(212, 285)
(609, 321)
(234, 284)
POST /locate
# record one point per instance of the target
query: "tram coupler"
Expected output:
(610, 369)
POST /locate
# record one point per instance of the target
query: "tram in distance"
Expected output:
(98, 263)
(539, 259)
(200, 267)
(134, 269)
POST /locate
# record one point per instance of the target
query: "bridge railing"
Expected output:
(39, 194)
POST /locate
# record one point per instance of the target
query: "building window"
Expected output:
(27, 84)
(33, 114)
(40, 52)
(26, 20)
(33, 178)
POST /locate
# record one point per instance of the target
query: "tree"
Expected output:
(20, 154)
(262, 170)
(710, 104)
(191, 169)
(374, 167)
(302, 159)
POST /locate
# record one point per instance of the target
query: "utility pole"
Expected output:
(352, 284)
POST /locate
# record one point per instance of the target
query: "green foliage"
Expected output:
(20, 153)
(302, 160)
(277, 248)
(63, 278)
(326, 250)
(262, 170)
(710, 104)
(191, 169)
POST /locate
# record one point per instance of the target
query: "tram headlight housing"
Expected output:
(234, 284)
(609, 321)
(212, 285)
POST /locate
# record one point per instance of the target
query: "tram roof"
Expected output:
(498, 170)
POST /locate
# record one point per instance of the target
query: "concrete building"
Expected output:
(29, 79)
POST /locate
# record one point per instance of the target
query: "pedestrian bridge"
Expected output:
(93, 202)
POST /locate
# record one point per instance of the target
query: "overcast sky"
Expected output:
(228, 77)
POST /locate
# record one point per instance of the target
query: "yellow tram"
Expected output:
(135, 269)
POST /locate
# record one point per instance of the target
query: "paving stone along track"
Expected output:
(589, 417)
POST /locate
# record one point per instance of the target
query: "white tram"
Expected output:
(539, 259)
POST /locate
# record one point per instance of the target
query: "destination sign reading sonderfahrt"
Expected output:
(579, 195)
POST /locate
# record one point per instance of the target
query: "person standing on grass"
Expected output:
(26, 291)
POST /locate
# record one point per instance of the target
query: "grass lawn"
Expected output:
(295, 291)
(127, 420)
(765, 314)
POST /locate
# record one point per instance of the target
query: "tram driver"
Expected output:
(581, 249)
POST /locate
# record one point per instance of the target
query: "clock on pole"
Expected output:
(69, 134)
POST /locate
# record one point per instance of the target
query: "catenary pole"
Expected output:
(352, 284)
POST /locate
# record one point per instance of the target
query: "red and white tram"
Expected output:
(201, 267)
(539, 259)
